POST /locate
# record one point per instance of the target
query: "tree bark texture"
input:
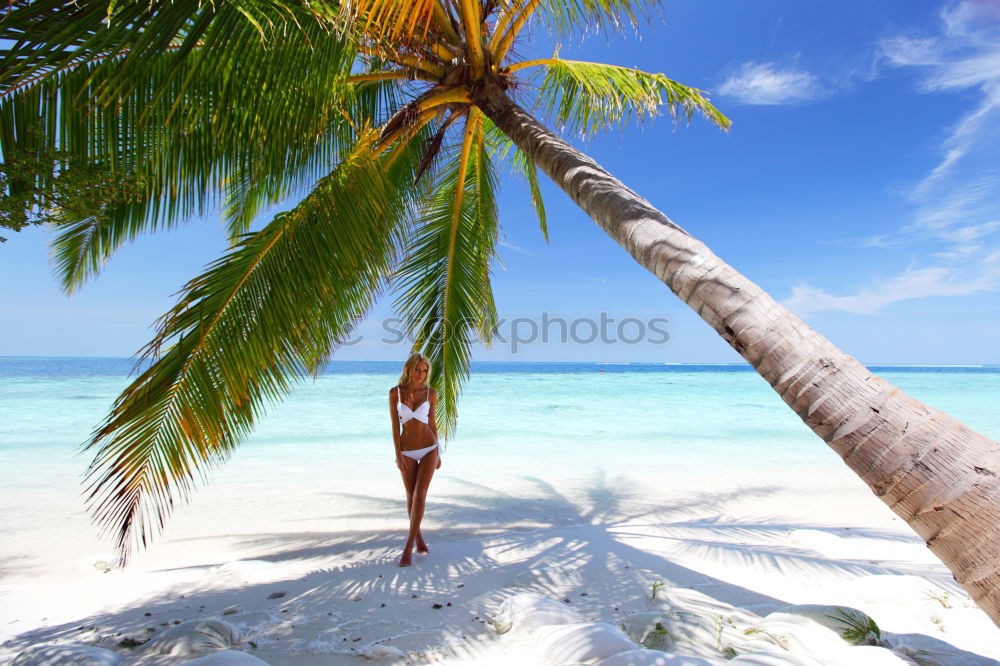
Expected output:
(937, 474)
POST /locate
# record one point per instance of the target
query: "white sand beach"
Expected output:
(307, 573)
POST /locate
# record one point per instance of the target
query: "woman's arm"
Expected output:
(432, 422)
(394, 420)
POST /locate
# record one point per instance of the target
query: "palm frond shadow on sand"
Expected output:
(599, 547)
(696, 522)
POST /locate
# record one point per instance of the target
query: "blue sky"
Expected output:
(859, 185)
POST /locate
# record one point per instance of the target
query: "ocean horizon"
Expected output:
(128, 363)
(562, 416)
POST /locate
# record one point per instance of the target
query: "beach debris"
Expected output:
(129, 642)
(357, 597)
(528, 611)
(797, 633)
(102, 565)
(648, 629)
(232, 610)
(437, 606)
(66, 655)
(694, 633)
(582, 642)
(854, 626)
(276, 595)
(376, 651)
(226, 658)
(195, 637)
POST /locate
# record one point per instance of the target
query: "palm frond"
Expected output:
(391, 19)
(47, 36)
(472, 21)
(269, 311)
(586, 97)
(530, 171)
(202, 133)
(520, 164)
(444, 291)
(568, 18)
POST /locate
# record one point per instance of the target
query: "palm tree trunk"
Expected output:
(938, 475)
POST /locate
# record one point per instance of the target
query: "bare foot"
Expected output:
(422, 545)
(407, 559)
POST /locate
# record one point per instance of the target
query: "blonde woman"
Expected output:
(415, 436)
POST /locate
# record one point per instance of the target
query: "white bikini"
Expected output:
(422, 414)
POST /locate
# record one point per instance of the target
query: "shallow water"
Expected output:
(546, 420)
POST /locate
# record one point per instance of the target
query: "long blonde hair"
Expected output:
(411, 363)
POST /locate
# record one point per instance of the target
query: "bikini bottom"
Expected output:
(417, 454)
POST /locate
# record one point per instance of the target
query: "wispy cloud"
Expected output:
(957, 202)
(881, 240)
(766, 83)
(503, 242)
(909, 285)
(964, 56)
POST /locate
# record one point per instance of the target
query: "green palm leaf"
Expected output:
(575, 17)
(522, 165)
(530, 171)
(267, 312)
(124, 37)
(445, 296)
(587, 97)
(212, 131)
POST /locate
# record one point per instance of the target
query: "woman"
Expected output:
(414, 433)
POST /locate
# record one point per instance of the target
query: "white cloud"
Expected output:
(763, 83)
(911, 284)
(956, 202)
(503, 242)
(881, 240)
(965, 55)
(901, 51)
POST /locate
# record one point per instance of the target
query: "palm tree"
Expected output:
(396, 115)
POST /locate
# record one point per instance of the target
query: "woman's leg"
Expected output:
(409, 474)
(424, 473)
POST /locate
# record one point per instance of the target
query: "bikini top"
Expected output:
(421, 413)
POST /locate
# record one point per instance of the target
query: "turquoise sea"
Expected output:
(546, 419)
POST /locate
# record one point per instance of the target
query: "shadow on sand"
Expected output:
(600, 549)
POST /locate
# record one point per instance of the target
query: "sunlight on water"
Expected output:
(516, 420)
